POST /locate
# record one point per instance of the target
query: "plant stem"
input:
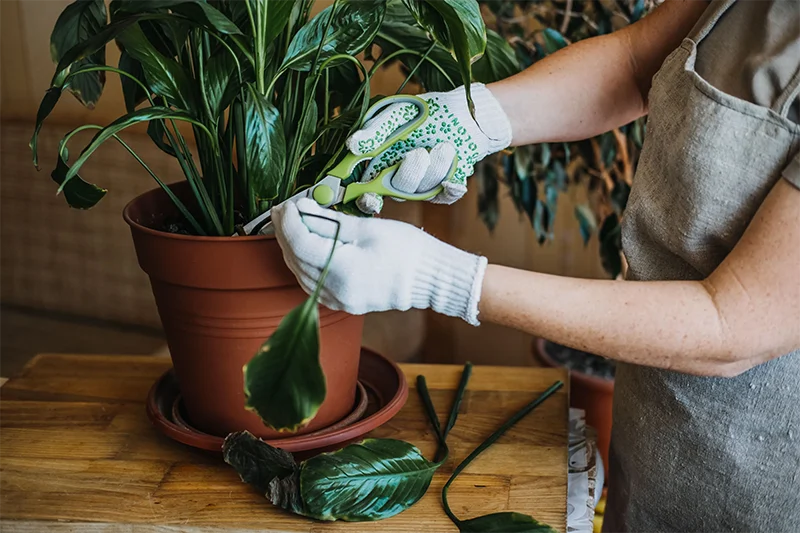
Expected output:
(519, 415)
(416, 67)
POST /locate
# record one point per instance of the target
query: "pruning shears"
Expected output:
(333, 189)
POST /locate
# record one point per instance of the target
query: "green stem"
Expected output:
(324, 34)
(519, 415)
(456, 407)
(180, 205)
(416, 67)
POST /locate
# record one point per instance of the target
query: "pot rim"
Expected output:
(126, 215)
(539, 352)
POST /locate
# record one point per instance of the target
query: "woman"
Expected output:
(706, 328)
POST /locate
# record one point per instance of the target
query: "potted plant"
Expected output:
(537, 175)
(269, 94)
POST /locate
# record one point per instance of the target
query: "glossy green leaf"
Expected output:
(439, 71)
(458, 26)
(77, 192)
(507, 522)
(80, 21)
(610, 239)
(278, 13)
(132, 92)
(265, 149)
(140, 115)
(51, 97)
(201, 12)
(553, 40)
(157, 131)
(498, 63)
(586, 222)
(284, 383)
(372, 480)
(221, 82)
(270, 470)
(348, 30)
(165, 76)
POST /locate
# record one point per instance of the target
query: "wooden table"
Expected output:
(78, 454)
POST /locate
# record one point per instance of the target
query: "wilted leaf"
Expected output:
(352, 28)
(372, 480)
(271, 470)
(77, 192)
(49, 101)
(81, 20)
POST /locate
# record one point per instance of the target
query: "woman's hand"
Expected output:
(427, 155)
(377, 265)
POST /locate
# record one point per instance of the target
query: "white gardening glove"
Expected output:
(428, 153)
(377, 265)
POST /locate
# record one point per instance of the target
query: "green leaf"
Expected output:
(78, 22)
(278, 14)
(141, 115)
(221, 82)
(458, 26)
(351, 29)
(507, 522)
(265, 149)
(488, 195)
(51, 97)
(202, 13)
(586, 222)
(284, 383)
(157, 131)
(372, 480)
(165, 76)
(271, 470)
(77, 192)
(498, 62)
(610, 239)
(553, 40)
(132, 91)
(439, 72)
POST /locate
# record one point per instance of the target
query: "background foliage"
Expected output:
(537, 175)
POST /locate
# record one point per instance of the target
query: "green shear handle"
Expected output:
(382, 184)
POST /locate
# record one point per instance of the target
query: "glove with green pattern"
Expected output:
(428, 152)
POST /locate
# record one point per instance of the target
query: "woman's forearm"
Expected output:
(597, 84)
(649, 323)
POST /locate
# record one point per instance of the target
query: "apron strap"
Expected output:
(784, 102)
(709, 19)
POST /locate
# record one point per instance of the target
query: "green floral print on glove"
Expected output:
(428, 153)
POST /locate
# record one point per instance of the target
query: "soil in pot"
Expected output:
(591, 385)
(219, 299)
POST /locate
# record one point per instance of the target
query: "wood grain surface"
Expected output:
(78, 454)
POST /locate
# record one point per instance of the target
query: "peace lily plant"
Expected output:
(270, 94)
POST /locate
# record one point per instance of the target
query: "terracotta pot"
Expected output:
(590, 393)
(219, 298)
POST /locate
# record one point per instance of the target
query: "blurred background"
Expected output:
(70, 281)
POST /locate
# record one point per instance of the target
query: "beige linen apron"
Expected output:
(690, 453)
